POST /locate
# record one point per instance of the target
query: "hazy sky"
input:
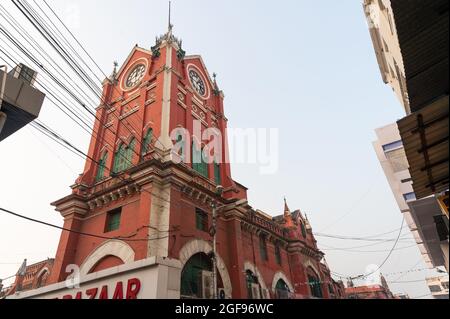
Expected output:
(305, 67)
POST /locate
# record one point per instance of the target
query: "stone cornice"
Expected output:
(71, 205)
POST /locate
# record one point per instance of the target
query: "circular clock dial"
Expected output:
(197, 82)
(136, 75)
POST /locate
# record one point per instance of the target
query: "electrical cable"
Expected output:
(388, 256)
(78, 232)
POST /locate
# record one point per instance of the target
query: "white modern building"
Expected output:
(418, 213)
(438, 287)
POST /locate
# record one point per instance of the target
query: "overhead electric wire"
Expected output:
(64, 39)
(14, 41)
(39, 129)
(369, 251)
(77, 150)
(63, 106)
(78, 232)
(363, 237)
(54, 43)
(388, 256)
(415, 265)
(350, 210)
(73, 36)
(94, 62)
(79, 101)
(59, 48)
(407, 281)
(42, 52)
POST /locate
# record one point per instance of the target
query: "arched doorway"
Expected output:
(315, 284)
(253, 285)
(282, 290)
(197, 278)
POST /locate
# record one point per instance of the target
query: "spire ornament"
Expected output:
(287, 215)
(113, 75)
(169, 38)
(216, 90)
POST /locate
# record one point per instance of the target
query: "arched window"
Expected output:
(182, 145)
(42, 280)
(130, 152)
(282, 290)
(253, 287)
(217, 174)
(147, 142)
(263, 248)
(101, 167)
(278, 257)
(196, 278)
(314, 284)
(123, 159)
(198, 162)
(119, 159)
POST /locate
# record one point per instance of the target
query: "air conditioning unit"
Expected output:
(207, 285)
(256, 293)
(24, 73)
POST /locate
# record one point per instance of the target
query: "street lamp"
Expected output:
(216, 209)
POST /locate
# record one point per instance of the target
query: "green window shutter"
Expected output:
(201, 220)
(147, 142)
(118, 159)
(182, 151)
(123, 159)
(278, 255)
(113, 220)
(263, 248)
(196, 158)
(217, 174)
(316, 288)
(101, 168)
(204, 166)
(129, 154)
(199, 164)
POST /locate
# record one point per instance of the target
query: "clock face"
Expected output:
(135, 76)
(197, 82)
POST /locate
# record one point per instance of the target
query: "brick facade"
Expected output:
(159, 200)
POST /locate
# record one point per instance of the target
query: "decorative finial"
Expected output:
(287, 215)
(114, 74)
(216, 87)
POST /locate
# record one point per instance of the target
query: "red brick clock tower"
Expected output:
(141, 202)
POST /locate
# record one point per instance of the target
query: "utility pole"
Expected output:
(213, 233)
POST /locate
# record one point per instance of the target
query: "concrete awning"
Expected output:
(423, 212)
(21, 105)
(425, 136)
